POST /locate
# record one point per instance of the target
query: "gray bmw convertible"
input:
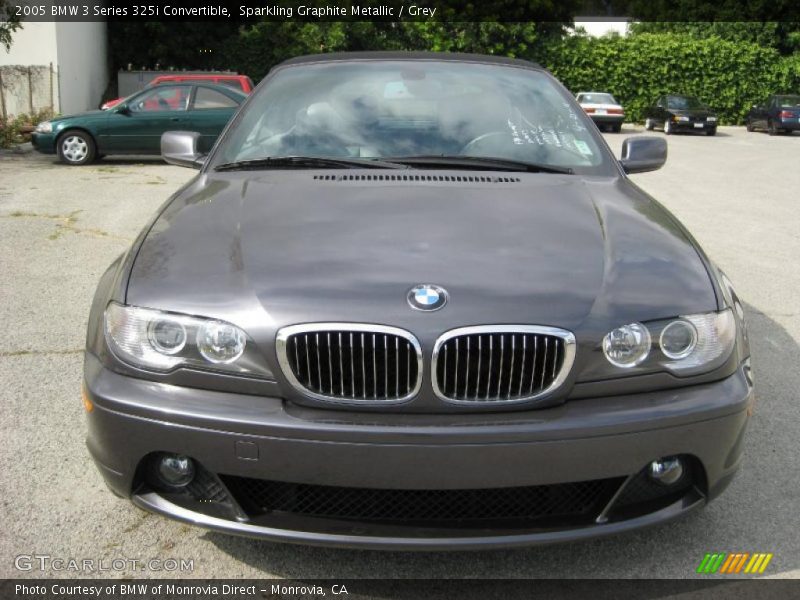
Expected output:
(413, 301)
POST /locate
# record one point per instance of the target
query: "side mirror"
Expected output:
(180, 148)
(122, 109)
(643, 154)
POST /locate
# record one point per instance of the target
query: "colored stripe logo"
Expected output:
(732, 563)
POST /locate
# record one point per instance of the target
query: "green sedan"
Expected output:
(135, 125)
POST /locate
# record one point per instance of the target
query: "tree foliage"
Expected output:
(259, 47)
(255, 48)
(9, 23)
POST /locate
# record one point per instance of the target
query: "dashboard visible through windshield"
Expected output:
(399, 109)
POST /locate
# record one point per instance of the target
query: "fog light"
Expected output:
(175, 470)
(666, 470)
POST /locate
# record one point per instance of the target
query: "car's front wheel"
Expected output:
(76, 148)
(616, 128)
(712, 131)
(668, 126)
(749, 126)
(648, 124)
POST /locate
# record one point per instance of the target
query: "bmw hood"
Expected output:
(287, 247)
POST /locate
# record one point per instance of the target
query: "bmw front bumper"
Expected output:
(699, 126)
(274, 470)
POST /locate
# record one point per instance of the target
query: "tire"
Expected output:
(712, 131)
(648, 124)
(616, 128)
(76, 147)
(771, 129)
(668, 127)
(749, 126)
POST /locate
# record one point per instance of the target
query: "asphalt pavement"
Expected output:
(60, 227)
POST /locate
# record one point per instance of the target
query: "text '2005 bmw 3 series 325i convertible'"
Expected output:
(413, 301)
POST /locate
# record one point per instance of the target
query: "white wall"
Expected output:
(33, 44)
(82, 65)
(28, 84)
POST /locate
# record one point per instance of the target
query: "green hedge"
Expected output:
(728, 76)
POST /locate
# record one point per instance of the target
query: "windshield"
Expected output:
(596, 99)
(684, 103)
(393, 109)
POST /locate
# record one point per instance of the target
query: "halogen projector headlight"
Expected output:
(678, 339)
(220, 342)
(715, 335)
(161, 341)
(167, 336)
(627, 346)
(686, 345)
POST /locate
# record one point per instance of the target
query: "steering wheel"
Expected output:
(466, 148)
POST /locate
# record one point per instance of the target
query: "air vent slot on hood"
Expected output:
(418, 178)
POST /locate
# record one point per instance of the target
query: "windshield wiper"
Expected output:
(308, 162)
(479, 162)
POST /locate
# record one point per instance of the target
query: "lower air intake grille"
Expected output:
(350, 362)
(577, 501)
(507, 363)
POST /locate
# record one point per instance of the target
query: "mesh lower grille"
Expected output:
(577, 501)
(498, 367)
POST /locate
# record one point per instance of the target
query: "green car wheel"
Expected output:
(76, 148)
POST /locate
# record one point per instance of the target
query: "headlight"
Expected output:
(714, 336)
(220, 342)
(678, 339)
(686, 345)
(44, 127)
(161, 341)
(712, 119)
(627, 346)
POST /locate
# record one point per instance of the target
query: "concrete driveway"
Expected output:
(60, 227)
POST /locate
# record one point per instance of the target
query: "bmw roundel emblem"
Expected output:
(427, 297)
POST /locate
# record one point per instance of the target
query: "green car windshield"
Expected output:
(395, 109)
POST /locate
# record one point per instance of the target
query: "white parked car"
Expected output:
(604, 110)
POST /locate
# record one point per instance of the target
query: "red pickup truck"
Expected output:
(238, 82)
